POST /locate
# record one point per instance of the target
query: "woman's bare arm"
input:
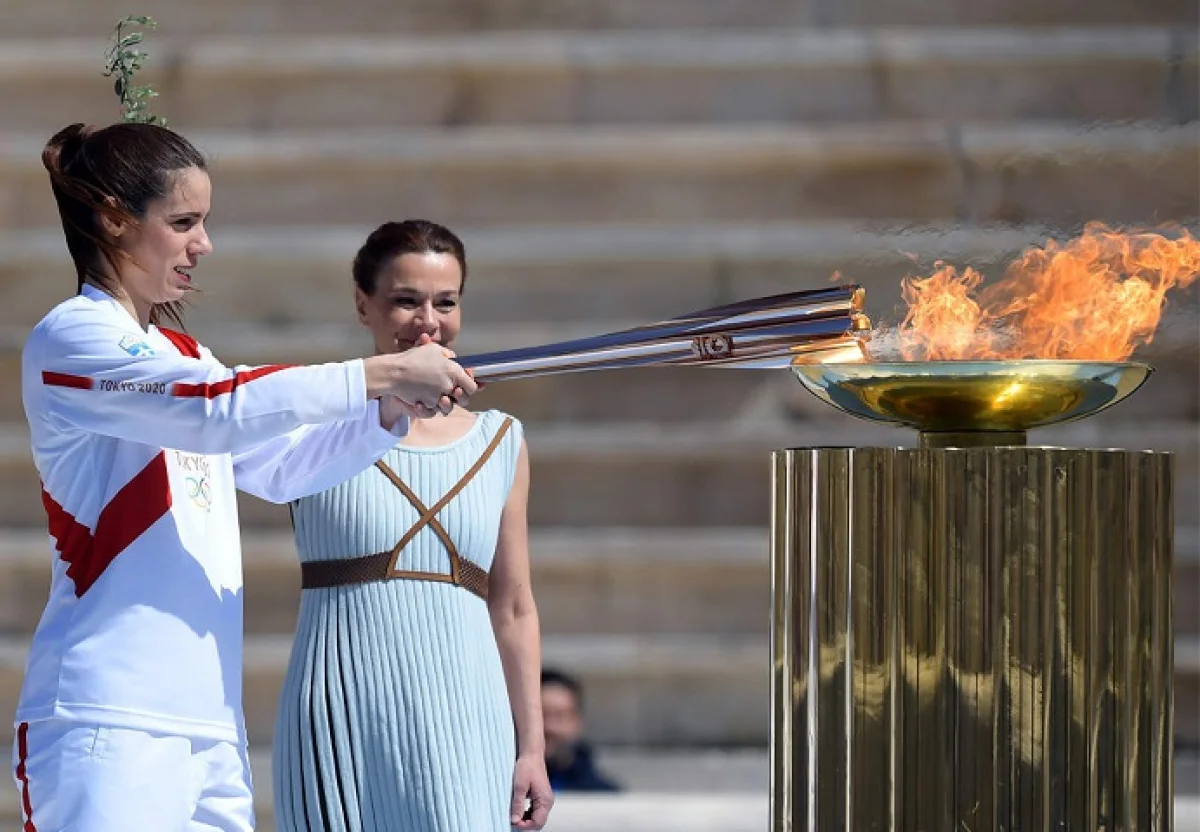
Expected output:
(518, 637)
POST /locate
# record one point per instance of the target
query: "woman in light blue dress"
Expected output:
(412, 699)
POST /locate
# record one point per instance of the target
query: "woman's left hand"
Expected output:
(530, 782)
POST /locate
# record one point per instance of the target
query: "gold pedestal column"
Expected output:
(971, 640)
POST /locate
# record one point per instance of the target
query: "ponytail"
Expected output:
(81, 203)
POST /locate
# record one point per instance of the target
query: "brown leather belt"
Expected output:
(382, 565)
(315, 574)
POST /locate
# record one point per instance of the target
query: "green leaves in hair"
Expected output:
(122, 61)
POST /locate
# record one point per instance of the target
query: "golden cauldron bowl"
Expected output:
(973, 403)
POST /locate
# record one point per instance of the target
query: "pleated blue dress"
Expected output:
(394, 716)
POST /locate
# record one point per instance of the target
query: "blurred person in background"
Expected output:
(130, 713)
(570, 760)
(411, 702)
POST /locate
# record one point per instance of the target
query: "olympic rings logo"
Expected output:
(200, 492)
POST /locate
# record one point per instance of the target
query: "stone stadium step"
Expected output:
(1187, 638)
(652, 690)
(718, 771)
(910, 171)
(586, 275)
(641, 810)
(686, 777)
(47, 18)
(642, 690)
(600, 582)
(556, 273)
(662, 475)
(1187, 689)
(257, 83)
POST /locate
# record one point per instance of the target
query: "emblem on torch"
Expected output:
(707, 347)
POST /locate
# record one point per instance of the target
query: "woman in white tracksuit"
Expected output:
(130, 715)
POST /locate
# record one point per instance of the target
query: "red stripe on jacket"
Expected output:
(190, 347)
(23, 777)
(134, 509)
(66, 380)
(212, 389)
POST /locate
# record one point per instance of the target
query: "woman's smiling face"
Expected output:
(414, 295)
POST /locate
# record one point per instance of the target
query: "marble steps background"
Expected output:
(47, 18)
(900, 171)
(579, 77)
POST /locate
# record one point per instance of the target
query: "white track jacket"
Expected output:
(140, 439)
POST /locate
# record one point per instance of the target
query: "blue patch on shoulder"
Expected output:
(134, 346)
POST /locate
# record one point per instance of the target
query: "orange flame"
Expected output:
(1096, 297)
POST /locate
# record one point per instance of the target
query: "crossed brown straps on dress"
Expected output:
(382, 566)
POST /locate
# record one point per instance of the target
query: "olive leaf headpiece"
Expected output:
(123, 60)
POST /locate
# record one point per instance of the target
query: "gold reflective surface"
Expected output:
(964, 397)
(971, 639)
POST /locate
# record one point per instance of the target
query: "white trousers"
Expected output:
(77, 777)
